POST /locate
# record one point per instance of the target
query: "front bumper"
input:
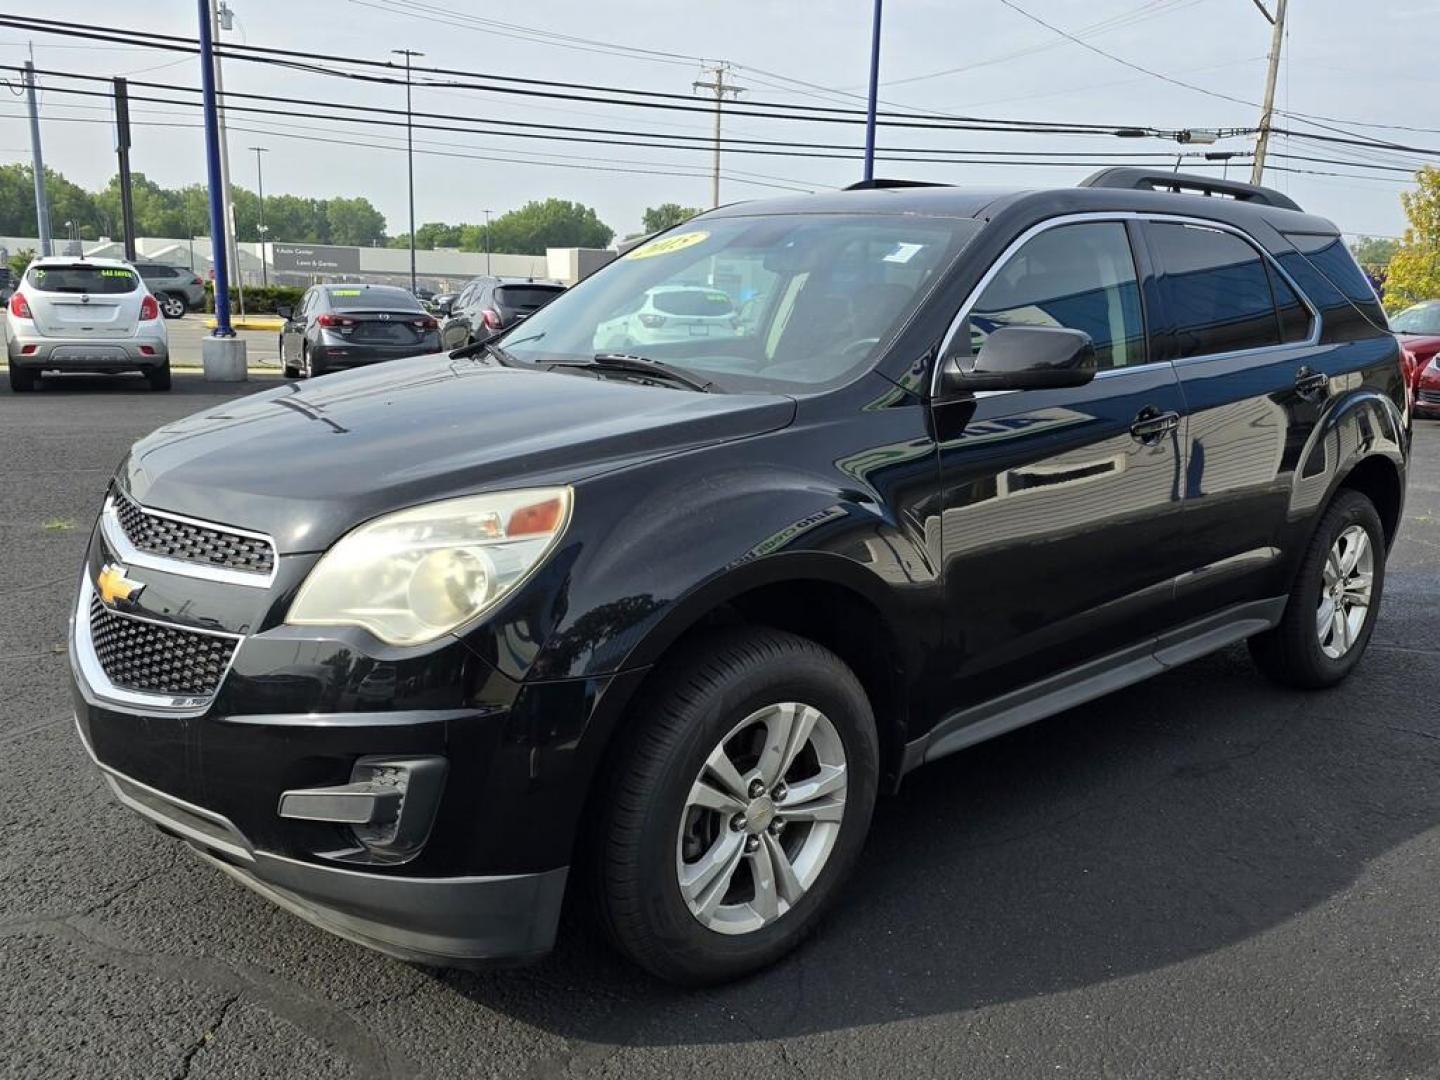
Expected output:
(444, 921)
(87, 354)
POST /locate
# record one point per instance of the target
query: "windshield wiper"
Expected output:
(490, 344)
(640, 365)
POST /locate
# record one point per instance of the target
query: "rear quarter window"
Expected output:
(95, 280)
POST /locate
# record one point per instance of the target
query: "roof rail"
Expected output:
(871, 185)
(1136, 179)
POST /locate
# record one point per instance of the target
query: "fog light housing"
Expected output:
(388, 807)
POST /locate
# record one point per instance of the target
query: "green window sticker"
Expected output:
(344, 292)
(106, 271)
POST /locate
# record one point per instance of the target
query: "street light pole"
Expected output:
(221, 17)
(410, 155)
(260, 191)
(487, 242)
(874, 93)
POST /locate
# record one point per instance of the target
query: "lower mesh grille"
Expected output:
(156, 659)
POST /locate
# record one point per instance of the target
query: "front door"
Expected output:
(1059, 506)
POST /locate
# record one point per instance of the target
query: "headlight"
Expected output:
(410, 577)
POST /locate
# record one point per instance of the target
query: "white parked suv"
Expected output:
(77, 314)
(669, 313)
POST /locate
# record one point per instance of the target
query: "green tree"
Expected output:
(666, 215)
(1414, 272)
(1374, 252)
(540, 225)
(20, 260)
(68, 202)
(354, 221)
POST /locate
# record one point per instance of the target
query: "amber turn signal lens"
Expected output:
(536, 519)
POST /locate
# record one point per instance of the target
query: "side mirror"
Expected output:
(442, 308)
(284, 311)
(1024, 358)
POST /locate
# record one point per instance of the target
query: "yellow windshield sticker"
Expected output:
(344, 292)
(667, 244)
(107, 272)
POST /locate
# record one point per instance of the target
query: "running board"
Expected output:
(1065, 690)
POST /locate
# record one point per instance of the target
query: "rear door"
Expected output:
(1059, 523)
(84, 300)
(294, 330)
(1240, 338)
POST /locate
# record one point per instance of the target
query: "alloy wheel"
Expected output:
(761, 819)
(172, 306)
(1345, 592)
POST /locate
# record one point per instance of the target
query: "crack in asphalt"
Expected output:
(318, 1017)
(206, 1036)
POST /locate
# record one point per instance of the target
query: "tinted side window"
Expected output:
(1294, 315)
(1328, 254)
(1081, 277)
(1217, 289)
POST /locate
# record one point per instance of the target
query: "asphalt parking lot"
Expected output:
(1199, 876)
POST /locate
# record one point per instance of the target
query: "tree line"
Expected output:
(185, 211)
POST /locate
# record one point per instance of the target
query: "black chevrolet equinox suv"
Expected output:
(656, 626)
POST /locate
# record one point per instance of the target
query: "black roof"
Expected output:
(986, 203)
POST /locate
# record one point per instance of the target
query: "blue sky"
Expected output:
(1344, 61)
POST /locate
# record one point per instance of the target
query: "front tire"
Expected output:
(1335, 600)
(735, 807)
(172, 306)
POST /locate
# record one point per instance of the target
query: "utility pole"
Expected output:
(719, 88)
(122, 150)
(221, 18)
(42, 206)
(410, 155)
(260, 189)
(874, 93)
(1267, 115)
(487, 242)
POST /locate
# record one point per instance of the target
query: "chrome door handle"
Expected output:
(1310, 384)
(1152, 425)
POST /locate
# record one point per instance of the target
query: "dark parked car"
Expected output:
(177, 289)
(441, 302)
(678, 618)
(344, 326)
(488, 305)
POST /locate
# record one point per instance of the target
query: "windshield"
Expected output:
(1420, 319)
(96, 280)
(785, 302)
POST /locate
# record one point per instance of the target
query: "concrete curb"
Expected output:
(252, 322)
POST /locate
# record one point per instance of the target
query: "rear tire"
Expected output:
(1333, 605)
(158, 378)
(23, 380)
(172, 305)
(310, 367)
(738, 694)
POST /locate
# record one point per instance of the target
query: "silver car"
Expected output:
(77, 314)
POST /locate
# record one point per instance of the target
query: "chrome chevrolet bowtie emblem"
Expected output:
(114, 586)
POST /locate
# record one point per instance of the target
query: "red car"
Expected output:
(1418, 328)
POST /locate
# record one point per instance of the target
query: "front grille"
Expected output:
(1430, 397)
(188, 542)
(157, 659)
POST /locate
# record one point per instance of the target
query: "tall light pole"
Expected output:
(222, 353)
(260, 190)
(487, 242)
(1267, 114)
(221, 18)
(410, 154)
(874, 93)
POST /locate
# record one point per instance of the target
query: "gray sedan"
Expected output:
(341, 326)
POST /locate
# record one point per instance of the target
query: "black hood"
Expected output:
(305, 462)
